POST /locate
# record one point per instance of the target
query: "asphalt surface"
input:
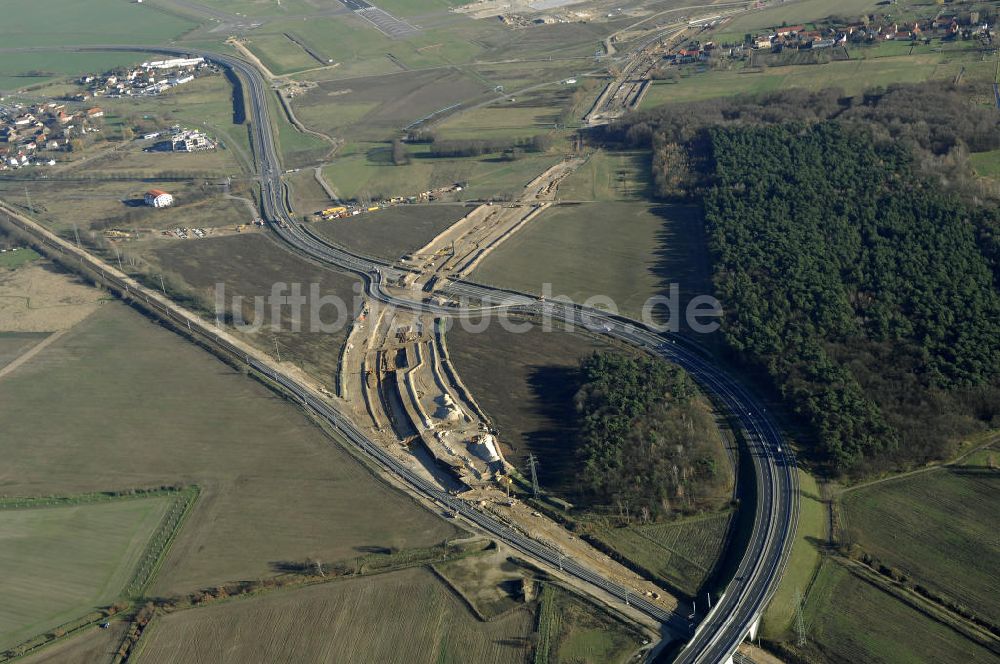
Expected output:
(718, 634)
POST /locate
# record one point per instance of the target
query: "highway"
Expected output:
(734, 614)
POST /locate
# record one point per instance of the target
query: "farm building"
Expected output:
(159, 198)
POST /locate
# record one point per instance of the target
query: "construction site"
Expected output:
(457, 250)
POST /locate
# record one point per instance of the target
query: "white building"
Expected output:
(159, 198)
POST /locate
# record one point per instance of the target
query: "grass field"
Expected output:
(359, 620)
(21, 70)
(94, 646)
(138, 406)
(528, 114)
(610, 176)
(59, 22)
(280, 54)
(365, 169)
(12, 260)
(62, 562)
(849, 620)
(797, 12)
(574, 633)
(938, 528)
(805, 557)
(249, 266)
(625, 251)
(60, 205)
(524, 383)
(13, 344)
(392, 232)
(377, 107)
(134, 161)
(986, 164)
(682, 553)
(852, 76)
(358, 49)
(261, 8)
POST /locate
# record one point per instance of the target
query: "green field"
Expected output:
(260, 8)
(61, 22)
(850, 620)
(797, 12)
(92, 645)
(368, 171)
(377, 107)
(406, 617)
(15, 259)
(609, 176)
(14, 344)
(571, 632)
(986, 164)
(357, 48)
(527, 114)
(625, 251)
(138, 406)
(21, 70)
(938, 528)
(682, 553)
(391, 232)
(62, 562)
(280, 54)
(853, 76)
(298, 149)
(805, 557)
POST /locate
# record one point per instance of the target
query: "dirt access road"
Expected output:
(456, 251)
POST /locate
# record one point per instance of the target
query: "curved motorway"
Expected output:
(739, 609)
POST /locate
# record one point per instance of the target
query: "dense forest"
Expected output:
(855, 267)
(649, 447)
(939, 123)
(862, 290)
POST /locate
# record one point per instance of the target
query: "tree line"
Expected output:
(469, 147)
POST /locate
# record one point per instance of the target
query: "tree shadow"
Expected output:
(553, 389)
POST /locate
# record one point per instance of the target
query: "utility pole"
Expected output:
(162, 287)
(77, 234)
(277, 353)
(118, 255)
(27, 198)
(533, 465)
(708, 596)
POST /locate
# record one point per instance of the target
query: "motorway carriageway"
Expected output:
(739, 608)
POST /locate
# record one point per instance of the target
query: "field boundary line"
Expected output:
(35, 350)
(926, 607)
(992, 438)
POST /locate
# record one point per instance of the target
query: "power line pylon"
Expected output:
(533, 465)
